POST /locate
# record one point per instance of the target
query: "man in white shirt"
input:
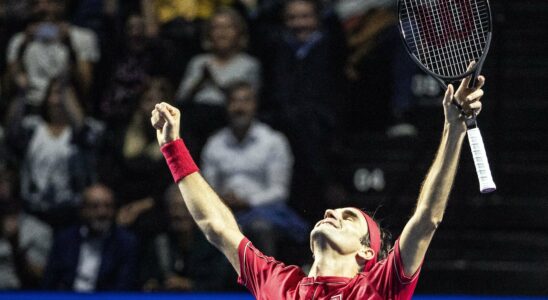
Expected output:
(48, 48)
(249, 164)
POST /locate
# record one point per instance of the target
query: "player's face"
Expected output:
(341, 229)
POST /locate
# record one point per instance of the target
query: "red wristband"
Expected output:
(178, 159)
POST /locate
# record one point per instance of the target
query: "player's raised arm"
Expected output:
(212, 216)
(432, 201)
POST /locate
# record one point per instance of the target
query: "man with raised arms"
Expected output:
(351, 260)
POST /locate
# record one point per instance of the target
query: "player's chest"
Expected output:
(331, 291)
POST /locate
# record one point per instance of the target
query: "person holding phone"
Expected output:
(50, 47)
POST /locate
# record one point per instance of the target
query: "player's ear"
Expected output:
(365, 254)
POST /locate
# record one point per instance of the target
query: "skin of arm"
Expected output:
(213, 217)
(432, 201)
(195, 78)
(83, 69)
(16, 69)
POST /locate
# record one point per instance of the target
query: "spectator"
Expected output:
(249, 165)
(303, 80)
(134, 166)
(201, 90)
(134, 61)
(179, 22)
(182, 259)
(57, 150)
(160, 13)
(96, 15)
(48, 48)
(24, 240)
(377, 58)
(96, 256)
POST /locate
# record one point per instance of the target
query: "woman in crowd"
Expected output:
(56, 149)
(201, 90)
(134, 167)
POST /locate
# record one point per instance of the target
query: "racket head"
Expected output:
(446, 57)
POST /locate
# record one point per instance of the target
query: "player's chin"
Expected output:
(322, 230)
(316, 231)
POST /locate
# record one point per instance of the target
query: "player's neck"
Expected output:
(331, 263)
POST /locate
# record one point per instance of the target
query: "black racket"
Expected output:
(443, 37)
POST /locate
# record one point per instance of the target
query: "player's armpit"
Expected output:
(227, 242)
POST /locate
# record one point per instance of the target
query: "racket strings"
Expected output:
(445, 35)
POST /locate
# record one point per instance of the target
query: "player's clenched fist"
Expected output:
(166, 119)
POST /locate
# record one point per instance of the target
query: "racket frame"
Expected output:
(445, 80)
(470, 120)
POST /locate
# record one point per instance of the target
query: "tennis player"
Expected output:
(346, 243)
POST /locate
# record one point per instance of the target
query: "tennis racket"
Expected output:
(443, 37)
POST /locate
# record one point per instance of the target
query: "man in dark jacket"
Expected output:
(303, 62)
(97, 255)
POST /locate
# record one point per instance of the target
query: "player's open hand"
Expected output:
(166, 120)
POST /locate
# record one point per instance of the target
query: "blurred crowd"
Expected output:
(265, 88)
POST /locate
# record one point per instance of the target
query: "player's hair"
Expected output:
(386, 241)
(239, 22)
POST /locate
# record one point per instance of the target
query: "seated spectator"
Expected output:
(96, 256)
(96, 15)
(161, 12)
(135, 59)
(57, 152)
(303, 62)
(249, 165)
(134, 166)
(179, 22)
(50, 47)
(24, 240)
(201, 90)
(377, 58)
(182, 259)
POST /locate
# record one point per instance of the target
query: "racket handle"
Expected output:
(487, 185)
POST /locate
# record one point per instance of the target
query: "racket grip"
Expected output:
(487, 185)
